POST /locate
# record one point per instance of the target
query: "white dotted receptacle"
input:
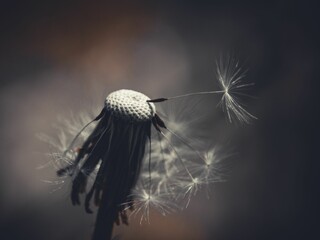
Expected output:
(130, 105)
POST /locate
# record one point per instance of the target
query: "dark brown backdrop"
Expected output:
(58, 56)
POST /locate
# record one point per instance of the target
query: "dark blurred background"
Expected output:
(58, 56)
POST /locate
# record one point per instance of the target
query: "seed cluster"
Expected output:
(130, 105)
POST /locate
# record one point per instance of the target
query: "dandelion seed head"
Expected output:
(113, 166)
(130, 105)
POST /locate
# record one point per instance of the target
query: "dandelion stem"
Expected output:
(105, 218)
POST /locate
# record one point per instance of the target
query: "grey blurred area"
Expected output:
(62, 56)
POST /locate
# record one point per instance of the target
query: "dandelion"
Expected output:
(130, 160)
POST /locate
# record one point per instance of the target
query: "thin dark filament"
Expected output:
(99, 174)
(75, 198)
(76, 137)
(101, 114)
(73, 165)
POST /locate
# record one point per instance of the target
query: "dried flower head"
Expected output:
(130, 159)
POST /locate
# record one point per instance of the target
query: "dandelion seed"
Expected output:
(212, 170)
(230, 77)
(144, 201)
(189, 187)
